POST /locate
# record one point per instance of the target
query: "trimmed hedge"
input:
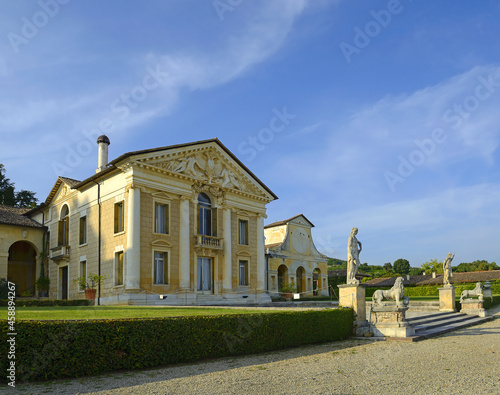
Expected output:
(42, 303)
(432, 290)
(57, 349)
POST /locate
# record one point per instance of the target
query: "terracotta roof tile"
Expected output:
(15, 216)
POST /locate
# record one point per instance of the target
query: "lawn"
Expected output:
(103, 312)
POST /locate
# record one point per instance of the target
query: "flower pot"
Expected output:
(90, 294)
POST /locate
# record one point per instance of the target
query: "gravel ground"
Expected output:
(462, 362)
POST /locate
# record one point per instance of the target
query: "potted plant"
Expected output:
(89, 284)
(288, 289)
(43, 286)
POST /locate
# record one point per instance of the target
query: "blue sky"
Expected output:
(382, 115)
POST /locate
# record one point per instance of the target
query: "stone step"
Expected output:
(430, 318)
(445, 328)
(455, 320)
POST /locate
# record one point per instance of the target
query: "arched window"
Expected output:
(63, 239)
(207, 221)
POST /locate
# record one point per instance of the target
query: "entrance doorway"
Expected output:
(204, 274)
(301, 280)
(63, 276)
(21, 268)
(282, 280)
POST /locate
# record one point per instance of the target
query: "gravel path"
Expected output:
(462, 362)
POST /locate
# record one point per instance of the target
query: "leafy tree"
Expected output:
(475, 266)
(388, 267)
(415, 271)
(401, 266)
(432, 266)
(9, 196)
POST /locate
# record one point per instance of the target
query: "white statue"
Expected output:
(397, 293)
(468, 293)
(353, 257)
(447, 269)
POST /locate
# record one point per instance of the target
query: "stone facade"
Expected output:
(292, 257)
(169, 221)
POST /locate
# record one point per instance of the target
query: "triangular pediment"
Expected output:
(301, 220)
(206, 164)
(60, 190)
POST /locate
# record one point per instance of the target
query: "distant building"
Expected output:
(293, 258)
(176, 224)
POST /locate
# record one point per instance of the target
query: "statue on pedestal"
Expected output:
(353, 263)
(447, 270)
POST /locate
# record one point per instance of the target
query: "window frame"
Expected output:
(207, 217)
(116, 270)
(166, 266)
(245, 241)
(63, 227)
(119, 218)
(157, 203)
(246, 263)
(84, 233)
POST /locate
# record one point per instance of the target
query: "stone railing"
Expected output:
(60, 253)
(209, 242)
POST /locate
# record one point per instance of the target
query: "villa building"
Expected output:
(293, 258)
(177, 224)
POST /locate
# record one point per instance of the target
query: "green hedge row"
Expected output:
(57, 349)
(41, 302)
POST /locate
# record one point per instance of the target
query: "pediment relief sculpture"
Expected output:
(207, 168)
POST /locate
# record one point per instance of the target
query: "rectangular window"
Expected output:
(119, 268)
(83, 269)
(83, 230)
(119, 217)
(243, 230)
(161, 218)
(63, 239)
(243, 272)
(161, 268)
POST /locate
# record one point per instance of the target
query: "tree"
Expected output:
(401, 266)
(432, 266)
(388, 267)
(476, 266)
(9, 196)
(415, 271)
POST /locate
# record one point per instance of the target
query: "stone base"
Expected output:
(447, 299)
(390, 321)
(186, 299)
(353, 296)
(473, 307)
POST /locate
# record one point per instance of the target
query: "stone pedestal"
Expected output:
(390, 321)
(473, 307)
(447, 299)
(353, 296)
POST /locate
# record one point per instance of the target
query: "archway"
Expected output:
(301, 279)
(317, 281)
(21, 269)
(282, 277)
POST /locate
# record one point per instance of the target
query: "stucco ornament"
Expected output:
(208, 168)
(447, 270)
(469, 293)
(353, 250)
(397, 293)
